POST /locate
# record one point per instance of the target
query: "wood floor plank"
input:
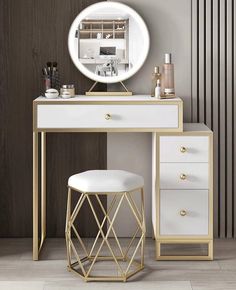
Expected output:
(218, 285)
(16, 266)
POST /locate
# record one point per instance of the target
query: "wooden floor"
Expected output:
(18, 271)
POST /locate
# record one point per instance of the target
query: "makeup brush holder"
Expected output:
(55, 81)
(51, 76)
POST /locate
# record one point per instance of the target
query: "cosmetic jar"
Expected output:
(51, 94)
(68, 90)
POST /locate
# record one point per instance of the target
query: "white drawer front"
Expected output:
(184, 148)
(184, 176)
(93, 116)
(192, 204)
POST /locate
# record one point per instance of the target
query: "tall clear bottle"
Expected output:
(168, 84)
(155, 76)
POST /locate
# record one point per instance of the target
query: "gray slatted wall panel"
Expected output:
(234, 112)
(215, 108)
(213, 99)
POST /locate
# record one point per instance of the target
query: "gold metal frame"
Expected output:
(206, 239)
(125, 93)
(76, 261)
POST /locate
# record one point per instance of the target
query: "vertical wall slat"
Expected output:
(215, 126)
(208, 64)
(201, 74)
(229, 117)
(194, 109)
(234, 98)
(222, 118)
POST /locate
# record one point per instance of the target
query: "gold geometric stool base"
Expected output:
(83, 256)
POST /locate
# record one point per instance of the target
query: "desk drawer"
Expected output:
(184, 212)
(184, 176)
(184, 148)
(107, 116)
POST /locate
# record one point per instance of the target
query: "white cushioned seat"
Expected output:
(105, 181)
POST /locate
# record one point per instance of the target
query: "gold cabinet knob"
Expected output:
(183, 212)
(183, 176)
(183, 149)
(108, 116)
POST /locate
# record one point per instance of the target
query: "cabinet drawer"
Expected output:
(184, 212)
(184, 176)
(184, 148)
(107, 116)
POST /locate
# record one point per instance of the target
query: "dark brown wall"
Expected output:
(33, 32)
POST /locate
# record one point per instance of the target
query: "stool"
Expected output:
(90, 187)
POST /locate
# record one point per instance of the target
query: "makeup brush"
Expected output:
(54, 65)
(49, 64)
(45, 72)
(55, 75)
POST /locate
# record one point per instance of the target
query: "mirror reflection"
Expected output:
(110, 42)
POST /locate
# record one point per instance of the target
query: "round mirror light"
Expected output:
(108, 42)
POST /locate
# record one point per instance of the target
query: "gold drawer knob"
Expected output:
(183, 176)
(183, 149)
(183, 212)
(108, 116)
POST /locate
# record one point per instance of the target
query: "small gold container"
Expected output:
(68, 91)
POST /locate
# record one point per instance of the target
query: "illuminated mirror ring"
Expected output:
(108, 42)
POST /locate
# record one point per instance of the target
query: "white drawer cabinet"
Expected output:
(182, 190)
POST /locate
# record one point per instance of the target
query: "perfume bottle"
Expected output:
(155, 76)
(158, 89)
(168, 87)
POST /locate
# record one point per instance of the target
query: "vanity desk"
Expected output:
(137, 113)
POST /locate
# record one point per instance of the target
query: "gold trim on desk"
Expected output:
(152, 101)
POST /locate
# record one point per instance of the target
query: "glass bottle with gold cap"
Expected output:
(155, 76)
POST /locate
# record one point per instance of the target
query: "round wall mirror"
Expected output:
(108, 42)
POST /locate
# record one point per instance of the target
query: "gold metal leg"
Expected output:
(35, 196)
(36, 247)
(158, 250)
(43, 188)
(210, 250)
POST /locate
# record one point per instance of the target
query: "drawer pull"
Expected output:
(108, 116)
(183, 149)
(183, 176)
(183, 212)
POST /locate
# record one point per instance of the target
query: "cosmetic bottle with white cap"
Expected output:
(168, 86)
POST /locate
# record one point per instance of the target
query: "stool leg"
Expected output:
(67, 229)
